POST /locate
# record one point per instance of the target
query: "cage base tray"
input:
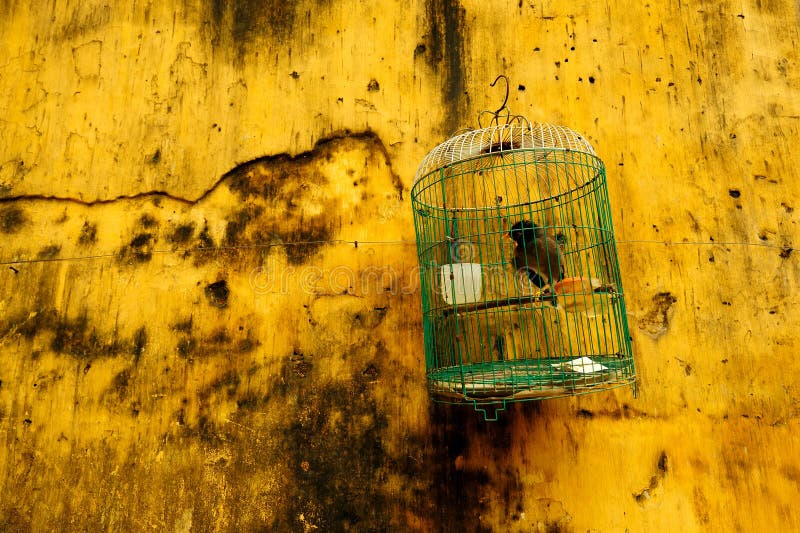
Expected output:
(524, 379)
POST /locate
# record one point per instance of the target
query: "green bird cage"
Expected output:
(503, 323)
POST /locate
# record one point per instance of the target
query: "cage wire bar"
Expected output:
(502, 323)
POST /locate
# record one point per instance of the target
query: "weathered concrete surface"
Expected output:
(170, 361)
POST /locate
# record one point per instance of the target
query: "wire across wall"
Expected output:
(356, 243)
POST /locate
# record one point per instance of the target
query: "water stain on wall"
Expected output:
(655, 322)
(445, 52)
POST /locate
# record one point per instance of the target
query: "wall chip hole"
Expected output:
(217, 293)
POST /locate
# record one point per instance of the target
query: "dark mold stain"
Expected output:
(695, 224)
(120, 383)
(786, 251)
(248, 402)
(336, 470)
(83, 22)
(218, 342)
(446, 29)
(305, 242)
(279, 178)
(139, 250)
(301, 366)
(373, 86)
(249, 20)
(662, 469)
(205, 239)
(452, 483)
(183, 326)
(371, 372)
(139, 343)
(205, 247)
(656, 321)
(206, 430)
(734, 193)
(182, 233)
(218, 11)
(246, 345)
(237, 223)
(791, 473)
(701, 506)
(420, 49)
(25, 326)
(334, 466)
(70, 336)
(219, 336)
(147, 221)
(217, 293)
(156, 157)
(187, 347)
(227, 383)
(12, 219)
(663, 464)
(48, 252)
(88, 234)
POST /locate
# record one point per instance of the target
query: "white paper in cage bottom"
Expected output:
(581, 365)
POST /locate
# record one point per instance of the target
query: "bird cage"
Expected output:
(521, 291)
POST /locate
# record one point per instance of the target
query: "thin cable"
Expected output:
(356, 243)
(201, 249)
(706, 243)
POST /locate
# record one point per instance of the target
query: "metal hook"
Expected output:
(505, 101)
(503, 112)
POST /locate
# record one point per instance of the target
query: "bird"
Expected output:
(585, 295)
(536, 254)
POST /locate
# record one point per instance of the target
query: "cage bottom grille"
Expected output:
(520, 379)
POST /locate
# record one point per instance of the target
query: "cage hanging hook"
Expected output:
(505, 100)
(503, 111)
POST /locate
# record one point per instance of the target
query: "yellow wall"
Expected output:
(136, 393)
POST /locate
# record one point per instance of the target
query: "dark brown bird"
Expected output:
(537, 254)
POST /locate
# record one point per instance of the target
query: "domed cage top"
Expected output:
(521, 290)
